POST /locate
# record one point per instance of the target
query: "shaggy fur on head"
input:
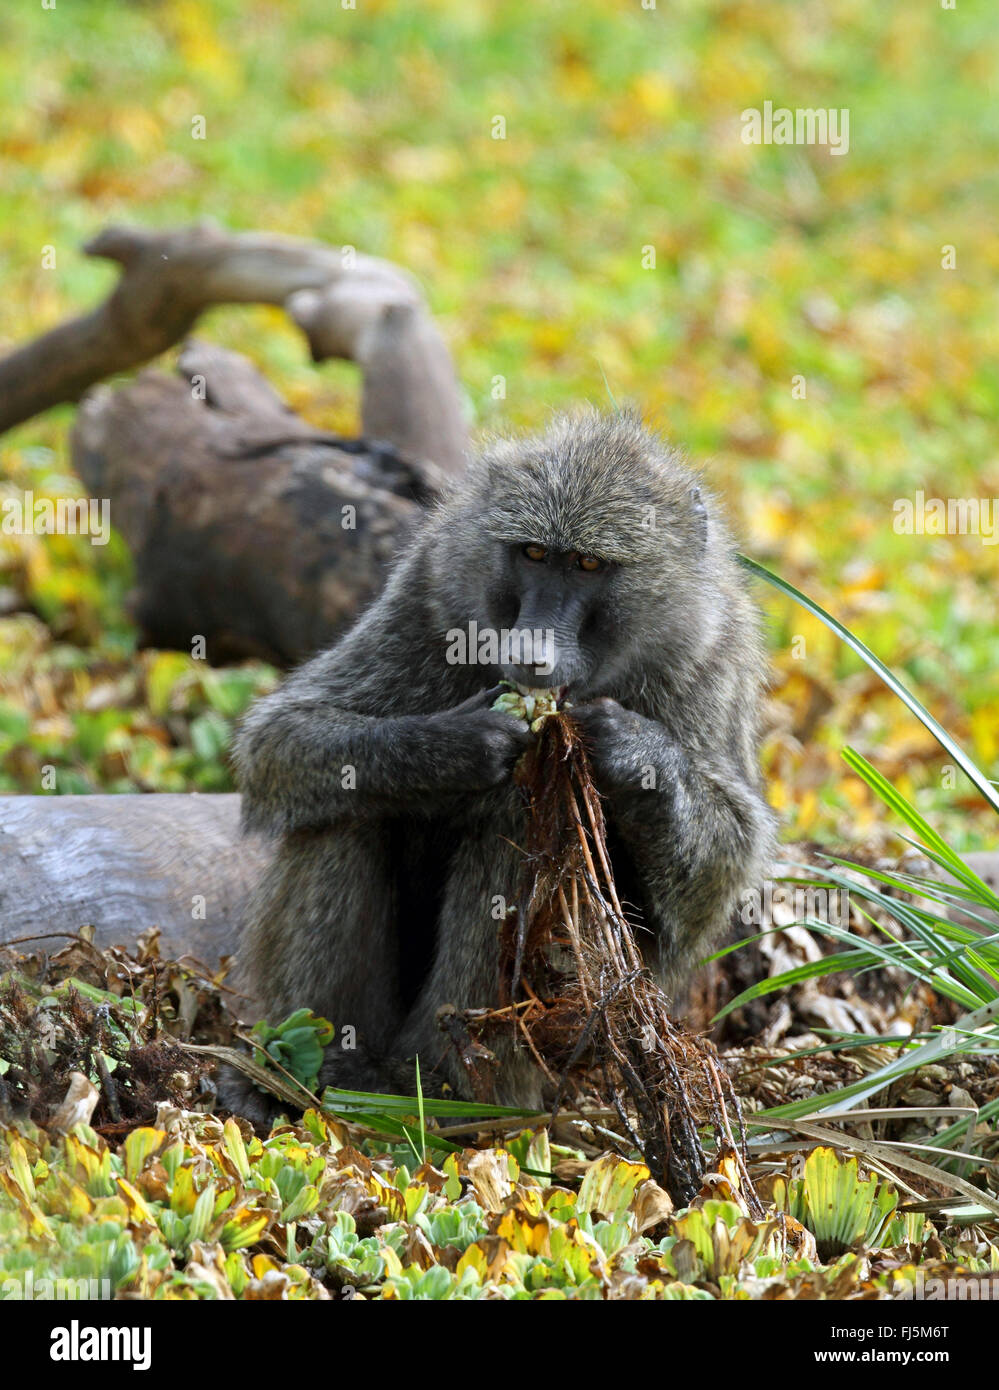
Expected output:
(602, 485)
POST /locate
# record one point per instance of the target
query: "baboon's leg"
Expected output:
(483, 878)
(322, 935)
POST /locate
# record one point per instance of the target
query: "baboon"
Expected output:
(386, 777)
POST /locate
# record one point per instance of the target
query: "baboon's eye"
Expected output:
(535, 552)
(590, 563)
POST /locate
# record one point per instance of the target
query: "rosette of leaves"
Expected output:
(840, 1209)
(296, 1045)
(532, 705)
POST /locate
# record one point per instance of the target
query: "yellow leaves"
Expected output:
(414, 1199)
(89, 1161)
(550, 339)
(861, 799)
(650, 97)
(20, 1185)
(138, 128)
(74, 1202)
(387, 1195)
(139, 1210)
(493, 1174)
(138, 1147)
(575, 82)
(38, 1223)
(778, 794)
(769, 517)
(423, 164)
(767, 338)
(506, 202)
(538, 1156)
(452, 1187)
(203, 49)
(21, 1168)
(807, 812)
(728, 77)
(473, 1258)
(183, 1196)
(261, 1265)
(609, 1185)
(164, 671)
(717, 1238)
(654, 93)
(525, 1234)
(66, 151)
(985, 734)
(244, 1228)
(236, 1149)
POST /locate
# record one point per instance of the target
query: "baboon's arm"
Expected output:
(370, 728)
(696, 831)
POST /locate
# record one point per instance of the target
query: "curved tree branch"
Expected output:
(352, 306)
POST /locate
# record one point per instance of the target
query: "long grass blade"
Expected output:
(951, 747)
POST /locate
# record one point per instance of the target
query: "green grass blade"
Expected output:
(904, 809)
(812, 969)
(423, 1119)
(952, 748)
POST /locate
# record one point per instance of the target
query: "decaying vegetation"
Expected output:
(113, 1166)
(574, 986)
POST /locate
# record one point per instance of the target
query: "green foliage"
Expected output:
(192, 1208)
(770, 262)
(832, 1202)
(948, 941)
(297, 1044)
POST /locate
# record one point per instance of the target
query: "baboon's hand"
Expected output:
(479, 745)
(628, 751)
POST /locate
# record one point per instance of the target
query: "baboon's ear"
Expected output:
(700, 514)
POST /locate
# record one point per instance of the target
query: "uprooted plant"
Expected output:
(573, 982)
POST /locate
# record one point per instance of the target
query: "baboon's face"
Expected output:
(592, 537)
(558, 607)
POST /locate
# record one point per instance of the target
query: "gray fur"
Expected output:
(665, 665)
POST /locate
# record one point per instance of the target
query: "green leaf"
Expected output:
(950, 746)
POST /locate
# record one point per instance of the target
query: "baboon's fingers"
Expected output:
(482, 700)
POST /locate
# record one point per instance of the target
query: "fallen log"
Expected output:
(347, 305)
(254, 533)
(123, 864)
(249, 530)
(178, 862)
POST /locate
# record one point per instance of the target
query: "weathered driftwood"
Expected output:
(262, 545)
(251, 530)
(125, 863)
(347, 305)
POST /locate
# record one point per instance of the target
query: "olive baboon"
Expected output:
(386, 777)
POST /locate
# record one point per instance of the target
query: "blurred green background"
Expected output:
(374, 127)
